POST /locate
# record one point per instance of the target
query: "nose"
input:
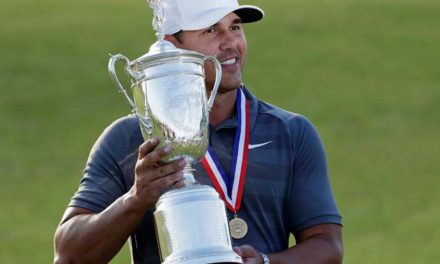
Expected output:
(228, 40)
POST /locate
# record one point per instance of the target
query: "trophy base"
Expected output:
(227, 257)
(192, 227)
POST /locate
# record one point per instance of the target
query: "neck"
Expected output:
(223, 108)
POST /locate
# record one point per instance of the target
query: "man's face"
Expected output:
(227, 42)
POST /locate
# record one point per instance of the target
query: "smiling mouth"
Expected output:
(229, 62)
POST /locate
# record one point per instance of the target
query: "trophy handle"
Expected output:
(112, 71)
(218, 78)
(143, 120)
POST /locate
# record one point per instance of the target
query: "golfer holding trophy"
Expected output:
(202, 171)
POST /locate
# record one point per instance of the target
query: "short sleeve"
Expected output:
(103, 181)
(311, 200)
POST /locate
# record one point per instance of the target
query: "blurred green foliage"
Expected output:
(366, 73)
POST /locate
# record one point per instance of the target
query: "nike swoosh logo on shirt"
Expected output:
(252, 146)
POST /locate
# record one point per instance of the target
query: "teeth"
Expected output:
(229, 62)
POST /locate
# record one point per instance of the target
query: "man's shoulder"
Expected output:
(127, 126)
(288, 118)
(123, 133)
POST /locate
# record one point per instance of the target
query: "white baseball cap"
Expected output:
(200, 14)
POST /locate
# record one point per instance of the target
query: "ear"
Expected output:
(172, 39)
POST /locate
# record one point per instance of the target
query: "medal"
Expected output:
(230, 187)
(238, 227)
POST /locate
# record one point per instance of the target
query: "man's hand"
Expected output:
(249, 254)
(315, 245)
(152, 176)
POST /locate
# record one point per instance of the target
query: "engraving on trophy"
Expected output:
(187, 122)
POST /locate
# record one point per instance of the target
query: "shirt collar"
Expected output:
(253, 110)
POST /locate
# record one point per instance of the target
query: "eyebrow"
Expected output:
(237, 21)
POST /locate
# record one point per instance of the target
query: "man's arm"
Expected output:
(87, 237)
(317, 244)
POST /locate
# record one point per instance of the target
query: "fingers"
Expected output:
(148, 168)
(150, 157)
(180, 183)
(147, 147)
(152, 175)
(237, 250)
(169, 180)
(246, 251)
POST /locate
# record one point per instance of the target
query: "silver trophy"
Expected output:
(170, 102)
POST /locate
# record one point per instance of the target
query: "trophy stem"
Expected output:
(188, 175)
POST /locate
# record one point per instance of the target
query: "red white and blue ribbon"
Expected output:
(230, 188)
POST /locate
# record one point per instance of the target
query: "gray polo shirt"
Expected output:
(287, 188)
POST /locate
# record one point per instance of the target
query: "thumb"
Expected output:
(248, 251)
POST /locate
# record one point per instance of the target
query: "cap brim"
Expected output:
(249, 13)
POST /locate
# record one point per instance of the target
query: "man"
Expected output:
(286, 188)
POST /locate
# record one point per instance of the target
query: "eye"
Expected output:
(236, 27)
(210, 30)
